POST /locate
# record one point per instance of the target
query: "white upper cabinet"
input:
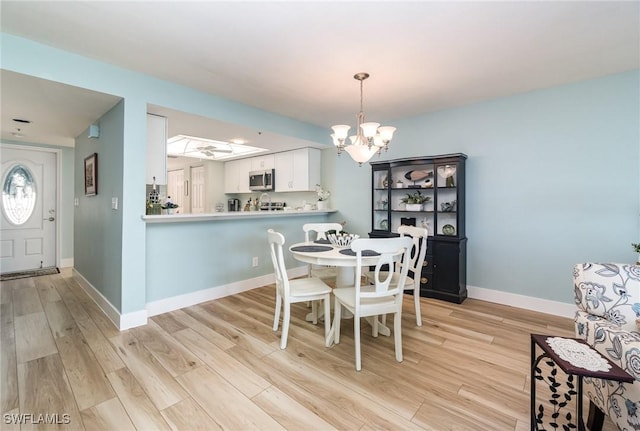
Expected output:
(156, 149)
(262, 162)
(297, 170)
(236, 176)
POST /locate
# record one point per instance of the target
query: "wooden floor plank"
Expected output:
(33, 337)
(135, 401)
(224, 403)
(8, 360)
(60, 319)
(25, 298)
(188, 415)
(108, 415)
(87, 378)
(45, 390)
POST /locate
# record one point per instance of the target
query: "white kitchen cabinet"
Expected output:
(156, 149)
(262, 162)
(236, 176)
(297, 170)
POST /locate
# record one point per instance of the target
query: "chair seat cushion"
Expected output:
(308, 286)
(347, 295)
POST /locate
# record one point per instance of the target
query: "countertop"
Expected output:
(182, 218)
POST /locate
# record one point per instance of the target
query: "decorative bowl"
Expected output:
(342, 239)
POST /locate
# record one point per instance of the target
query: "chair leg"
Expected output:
(285, 325)
(416, 299)
(397, 335)
(595, 419)
(327, 319)
(337, 309)
(314, 311)
(276, 317)
(356, 335)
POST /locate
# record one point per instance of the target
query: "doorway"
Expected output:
(29, 220)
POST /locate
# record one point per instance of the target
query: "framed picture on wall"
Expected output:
(91, 175)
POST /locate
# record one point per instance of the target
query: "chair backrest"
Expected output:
(393, 252)
(320, 229)
(276, 241)
(418, 250)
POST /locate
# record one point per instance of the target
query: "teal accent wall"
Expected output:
(552, 180)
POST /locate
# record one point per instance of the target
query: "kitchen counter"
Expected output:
(184, 218)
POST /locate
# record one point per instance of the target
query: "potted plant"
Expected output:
(636, 248)
(169, 206)
(414, 201)
(323, 197)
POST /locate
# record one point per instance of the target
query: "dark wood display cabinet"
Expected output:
(427, 192)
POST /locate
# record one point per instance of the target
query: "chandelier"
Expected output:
(370, 138)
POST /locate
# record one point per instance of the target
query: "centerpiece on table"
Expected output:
(323, 197)
(169, 206)
(414, 201)
(636, 248)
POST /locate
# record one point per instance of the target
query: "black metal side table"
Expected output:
(575, 358)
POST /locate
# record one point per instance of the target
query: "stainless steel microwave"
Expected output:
(261, 180)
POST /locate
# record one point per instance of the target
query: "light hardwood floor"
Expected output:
(217, 365)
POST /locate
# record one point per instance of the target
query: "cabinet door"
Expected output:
(297, 170)
(156, 149)
(262, 162)
(236, 176)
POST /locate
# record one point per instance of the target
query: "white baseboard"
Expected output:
(181, 301)
(139, 318)
(121, 321)
(540, 305)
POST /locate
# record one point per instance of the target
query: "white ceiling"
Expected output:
(298, 58)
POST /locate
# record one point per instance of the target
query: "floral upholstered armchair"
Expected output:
(608, 318)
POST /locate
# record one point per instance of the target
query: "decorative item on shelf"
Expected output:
(636, 248)
(385, 182)
(448, 229)
(399, 185)
(384, 224)
(369, 139)
(448, 207)
(219, 207)
(413, 202)
(447, 172)
(169, 206)
(323, 197)
(416, 176)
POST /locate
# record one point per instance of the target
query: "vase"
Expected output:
(170, 211)
(413, 207)
(323, 205)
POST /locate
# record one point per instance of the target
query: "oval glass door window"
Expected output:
(18, 194)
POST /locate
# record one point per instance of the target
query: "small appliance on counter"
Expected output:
(233, 205)
(272, 206)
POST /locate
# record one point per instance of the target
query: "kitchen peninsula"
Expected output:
(192, 258)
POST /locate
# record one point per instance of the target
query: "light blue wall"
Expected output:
(97, 227)
(552, 180)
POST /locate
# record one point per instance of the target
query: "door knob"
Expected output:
(50, 218)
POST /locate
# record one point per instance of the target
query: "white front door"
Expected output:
(175, 189)
(29, 213)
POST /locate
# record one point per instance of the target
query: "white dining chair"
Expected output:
(296, 290)
(380, 298)
(416, 261)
